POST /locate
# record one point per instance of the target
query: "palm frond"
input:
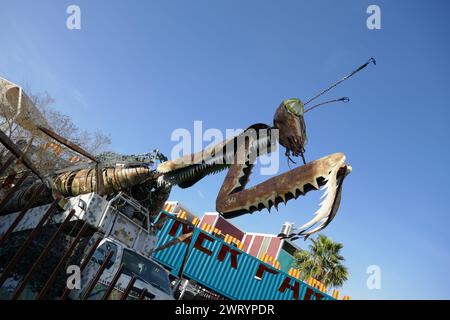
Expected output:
(323, 262)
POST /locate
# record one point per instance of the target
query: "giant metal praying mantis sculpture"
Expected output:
(233, 198)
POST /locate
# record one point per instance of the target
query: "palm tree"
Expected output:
(323, 262)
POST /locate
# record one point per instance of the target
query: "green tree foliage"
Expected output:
(323, 262)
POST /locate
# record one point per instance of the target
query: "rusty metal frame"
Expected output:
(62, 261)
(113, 282)
(97, 275)
(44, 253)
(19, 156)
(83, 265)
(22, 213)
(14, 149)
(128, 289)
(143, 293)
(27, 242)
(67, 143)
(78, 149)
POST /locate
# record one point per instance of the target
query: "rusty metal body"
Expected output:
(77, 182)
(74, 183)
(232, 200)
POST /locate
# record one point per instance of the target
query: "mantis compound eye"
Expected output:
(294, 106)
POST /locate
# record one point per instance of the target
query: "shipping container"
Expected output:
(225, 269)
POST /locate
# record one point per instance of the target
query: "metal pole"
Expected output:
(128, 289)
(143, 293)
(97, 275)
(67, 143)
(113, 282)
(185, 258)
(83, 265)
(11, 146)
(99, 179)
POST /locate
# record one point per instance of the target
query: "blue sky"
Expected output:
(138, 70)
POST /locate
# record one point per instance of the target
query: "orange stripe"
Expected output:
(335, 294)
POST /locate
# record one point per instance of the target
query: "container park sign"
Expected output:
(226, 269)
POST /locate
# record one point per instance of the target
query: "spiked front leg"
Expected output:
(234, 200)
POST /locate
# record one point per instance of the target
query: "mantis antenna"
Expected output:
(371, 60)
(343, 99)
